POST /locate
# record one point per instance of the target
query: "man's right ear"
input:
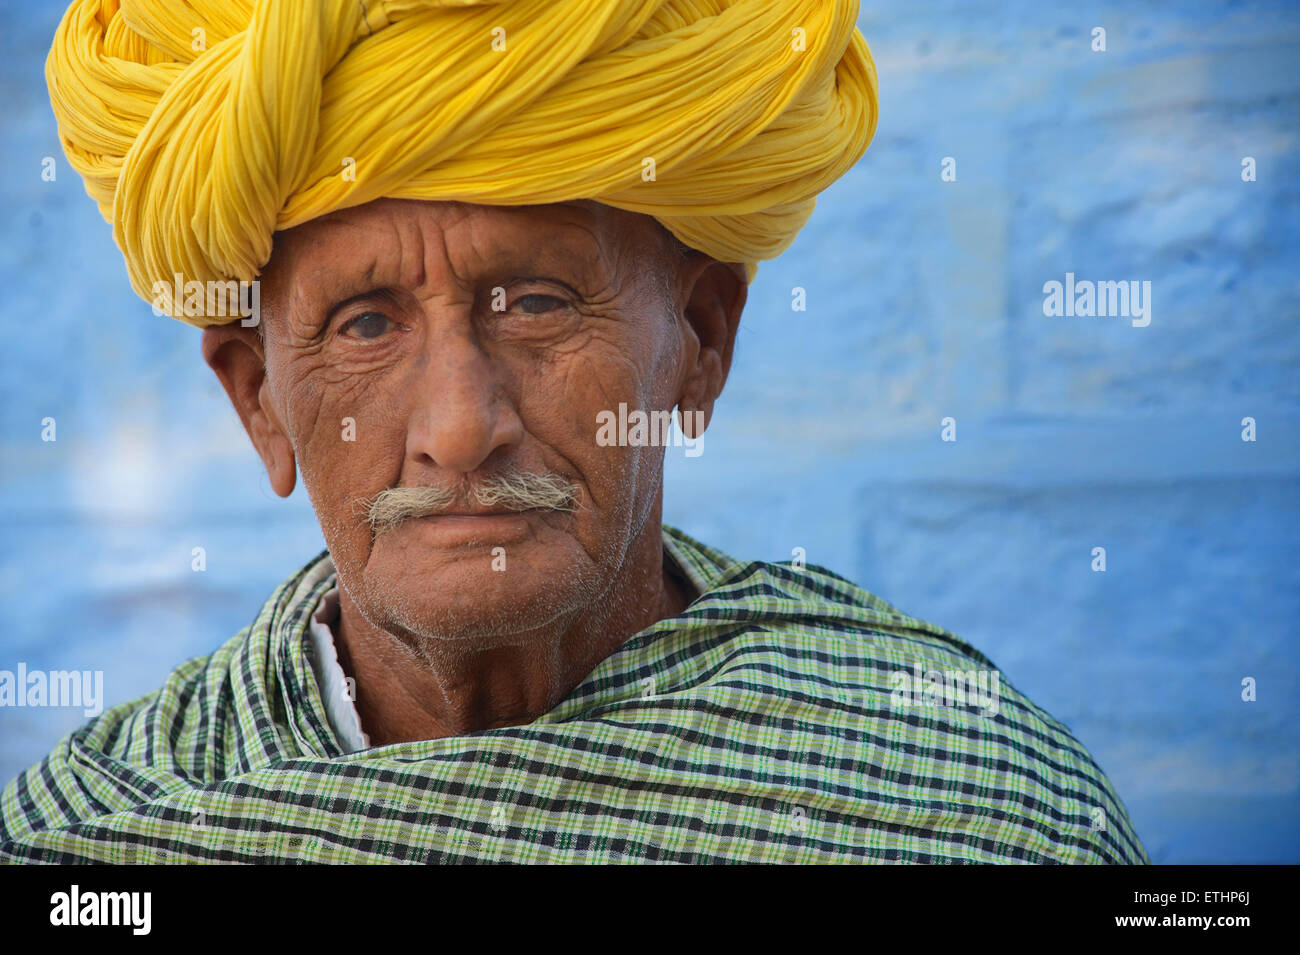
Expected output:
(236, 355)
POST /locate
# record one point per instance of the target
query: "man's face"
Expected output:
(413, 344)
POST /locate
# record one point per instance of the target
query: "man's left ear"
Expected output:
(717, 296)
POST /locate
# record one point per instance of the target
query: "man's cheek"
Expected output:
(595, 390)
(335, 414)
(349, 455)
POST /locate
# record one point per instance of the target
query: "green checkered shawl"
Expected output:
(760, 725)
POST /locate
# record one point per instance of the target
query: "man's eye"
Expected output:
(369, 325)
(537, 304)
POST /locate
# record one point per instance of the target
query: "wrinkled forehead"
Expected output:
(398, 240)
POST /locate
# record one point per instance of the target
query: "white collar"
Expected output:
(337, 689)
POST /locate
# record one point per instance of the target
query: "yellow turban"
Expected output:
(203, 126)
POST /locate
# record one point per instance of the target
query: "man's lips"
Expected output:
(478, 512)
(481, 526)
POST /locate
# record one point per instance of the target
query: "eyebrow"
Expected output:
(558, 248)
(369, 289)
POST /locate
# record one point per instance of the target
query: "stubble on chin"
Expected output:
(470, 624)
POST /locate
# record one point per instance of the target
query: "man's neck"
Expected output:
(448, 691)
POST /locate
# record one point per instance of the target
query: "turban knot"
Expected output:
(201, 127)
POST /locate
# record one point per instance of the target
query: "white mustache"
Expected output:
(515, 490)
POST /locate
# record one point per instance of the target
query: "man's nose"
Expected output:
(464, 413)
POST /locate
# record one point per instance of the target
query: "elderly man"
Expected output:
(479, 230)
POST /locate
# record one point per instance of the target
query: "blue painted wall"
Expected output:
(924, 301)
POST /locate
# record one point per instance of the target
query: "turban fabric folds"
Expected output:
(201, 127)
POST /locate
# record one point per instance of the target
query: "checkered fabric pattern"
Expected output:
(765, 723)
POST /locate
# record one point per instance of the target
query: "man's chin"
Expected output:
(477, 623)
(478, 593)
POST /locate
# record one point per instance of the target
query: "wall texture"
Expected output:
(924, 301)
